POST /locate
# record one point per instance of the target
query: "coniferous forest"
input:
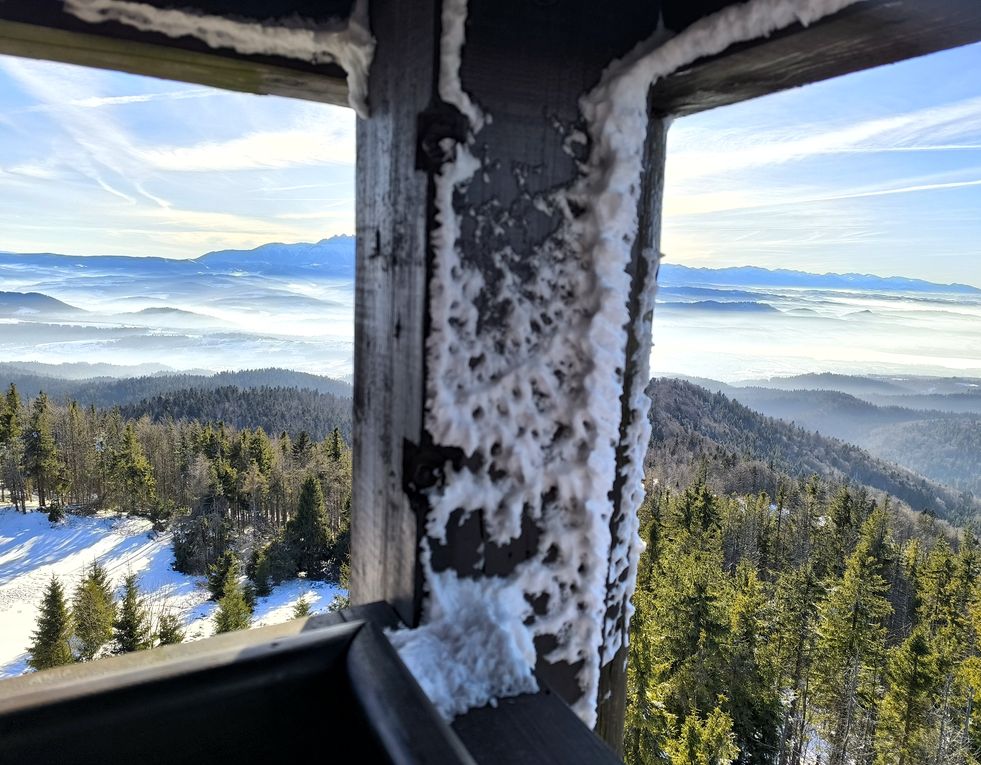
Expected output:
(795, 603)
(244, 508)
(788, 618)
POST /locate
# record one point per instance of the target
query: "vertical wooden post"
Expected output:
(393, 203)
(643, 272)
(525, 64)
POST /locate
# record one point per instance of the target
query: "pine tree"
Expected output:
(233, 610)
(132, 627)
(50, 642)
(94, 612)
(170, 629)
(307, 532)
(904, 711)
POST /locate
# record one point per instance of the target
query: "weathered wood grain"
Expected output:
(41, 29)
(867, 34)
(535, 729)
(392, 213)
(643, 271)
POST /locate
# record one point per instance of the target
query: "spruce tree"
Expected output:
(94, 612)
(851, 644)
(707, 741)
(40, 451)
(904, 718)
(132, 627)
(796, 597)
(134, 488)
(334, 450)
(307, 532)
(170, 629)
(301, 608)
(648, 725)
(262, 574)
(752, 702)
(50, 642)
(233, 609)
(219, 573)
(11, 448)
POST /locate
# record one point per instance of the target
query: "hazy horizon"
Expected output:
(858, 175)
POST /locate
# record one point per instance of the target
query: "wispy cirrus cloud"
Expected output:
(753, 145)
(98, 102)
(297, 147)
(158, 174)
(879, 171)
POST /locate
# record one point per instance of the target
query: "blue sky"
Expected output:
(878, 172)
(104, 163)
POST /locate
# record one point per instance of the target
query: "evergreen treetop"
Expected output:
(50, 642)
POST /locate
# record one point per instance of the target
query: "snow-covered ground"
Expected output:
(32, 549)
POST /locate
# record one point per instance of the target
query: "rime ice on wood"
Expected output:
(525, 377)
(526, 372)
(346, 42)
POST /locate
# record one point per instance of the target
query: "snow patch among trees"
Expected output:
(32, 550)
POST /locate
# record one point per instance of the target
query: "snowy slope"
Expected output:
(32, 549)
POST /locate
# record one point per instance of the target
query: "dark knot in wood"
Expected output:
(439, 122)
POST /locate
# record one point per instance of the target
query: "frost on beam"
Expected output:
(532, 393)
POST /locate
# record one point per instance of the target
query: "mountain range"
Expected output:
(335, 258)
(292, 305)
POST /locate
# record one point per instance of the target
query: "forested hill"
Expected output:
(273, 409)
(940, 445)
(690, 422)
(109, 392)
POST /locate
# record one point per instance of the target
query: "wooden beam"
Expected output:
(41, 29)
(393, 209)
(643, 271)
(865, 35)
(526, 66)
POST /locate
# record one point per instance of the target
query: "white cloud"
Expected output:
(260, 150)
(121, 185)
(98, 102)
(753, 146)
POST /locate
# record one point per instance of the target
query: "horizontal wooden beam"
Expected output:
(40, 29)
(865, 35)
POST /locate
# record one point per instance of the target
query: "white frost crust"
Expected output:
(472, 649)
(346, 42)
(453, 20)
(627, 546)
(536, 396)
